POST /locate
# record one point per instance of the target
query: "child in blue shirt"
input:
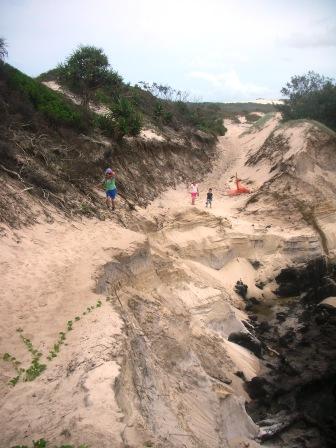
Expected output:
(110, 188)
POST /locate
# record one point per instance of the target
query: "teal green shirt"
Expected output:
(109, 184)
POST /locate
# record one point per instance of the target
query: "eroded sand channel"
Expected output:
(153, 364)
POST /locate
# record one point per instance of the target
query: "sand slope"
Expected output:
(153, 363)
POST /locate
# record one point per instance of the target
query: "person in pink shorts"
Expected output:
(194, 192)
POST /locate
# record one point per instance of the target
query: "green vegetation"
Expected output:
(310, 96)
(87, 72)
(252, 117)
(3, 49)
(7, 357)
(162, 116)
(122, 120)
(165, 92)
(317, 124)
(51, 104)
(126, 121)
(36, 367)
(209, 116)
(205, 119)
(34, 370)
(41, 443)
(230, 110)
(263, 120)
(260, 123)
(168, 106)
(87, 69)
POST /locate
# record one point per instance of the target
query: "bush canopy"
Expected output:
(310, 96)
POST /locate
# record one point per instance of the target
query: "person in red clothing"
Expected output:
(194, 192)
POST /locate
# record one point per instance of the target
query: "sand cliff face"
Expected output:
(152, 360)
(302, 186)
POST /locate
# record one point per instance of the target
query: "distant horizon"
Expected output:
(222, 51)
(255, 101)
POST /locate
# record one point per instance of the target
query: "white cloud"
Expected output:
(230, 82)
(325, 38)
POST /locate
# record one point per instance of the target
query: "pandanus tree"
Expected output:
(86, 70)
(3, 49)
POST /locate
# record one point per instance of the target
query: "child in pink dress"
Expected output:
(194, 192)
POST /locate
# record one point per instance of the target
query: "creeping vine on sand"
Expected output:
(36, 367)
(43, 444)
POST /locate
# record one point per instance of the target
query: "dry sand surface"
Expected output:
(151, 366)
(97, 108)
(150, 134)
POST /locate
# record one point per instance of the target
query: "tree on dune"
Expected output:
(3, 49)
(85, 70)
(310, 96)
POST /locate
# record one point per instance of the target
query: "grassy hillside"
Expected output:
(52, 153)
(29, 93)
(160, 112)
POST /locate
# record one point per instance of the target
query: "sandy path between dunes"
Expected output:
(233, 151)
(48, 277)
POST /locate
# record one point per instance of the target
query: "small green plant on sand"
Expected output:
(62, 336)
(35, 370)
(14, 380)
(11, 359)
(36, 367)
(56, 348)
(148, 444)
(44, 444)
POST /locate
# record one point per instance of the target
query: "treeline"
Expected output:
(311, 96)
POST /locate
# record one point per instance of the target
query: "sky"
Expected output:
(217, 50)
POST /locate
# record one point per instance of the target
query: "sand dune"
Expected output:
(153, 364)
